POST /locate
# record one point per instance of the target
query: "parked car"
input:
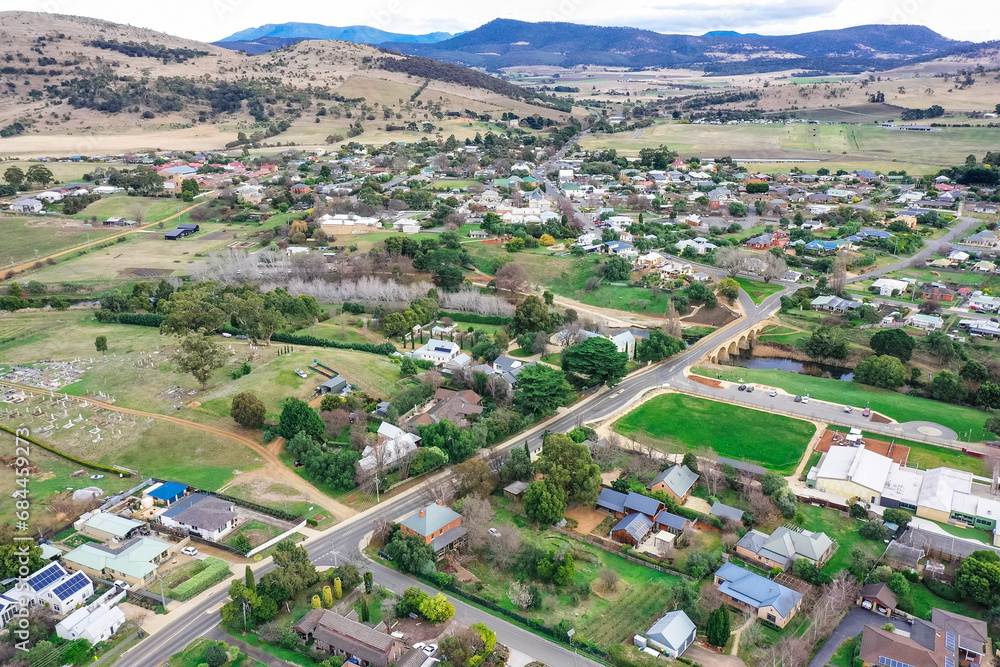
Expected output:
(749, 388)
(867, 412)
(743, 387)
(774, 392)
(848, 409)
(189, 551)
(494, 532)
(805, 399)
(241, 336)
(430, 650)
(301, 373)
(798, 399)
(122, 585)
(97, 477)
(382, 553)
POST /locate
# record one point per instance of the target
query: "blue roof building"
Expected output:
(671, 522)
(168, 493)
(611, 500)
(749, 591)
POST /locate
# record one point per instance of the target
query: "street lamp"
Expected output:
(570, 633)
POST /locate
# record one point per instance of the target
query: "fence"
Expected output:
(618, 552)
(274, 540)
(879, 325)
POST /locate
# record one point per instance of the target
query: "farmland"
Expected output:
(675, 423)
(22, 236)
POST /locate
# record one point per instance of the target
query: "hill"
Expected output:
(508, 43)
(276, 35)
(127, 85)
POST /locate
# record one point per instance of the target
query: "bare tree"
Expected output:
(732, 259)
(442, 492)
(433, 378)
(512, 278)
(499, 390)
(502, 549)
(136, 212)
(666, 550)
(403, 464)
(476, 513)
(761, 506)
(672, 321)
(712, 476)
(381, 529)
(308, 265)
(839, 279)
(610, 578)
(773, 267)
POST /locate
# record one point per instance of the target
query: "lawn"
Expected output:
(892, 404)
(154, 208)
(676, 422)
(840, 529)
(757, 290)
(22, 236)
(924, 600)
(844, 655)
(281, 497)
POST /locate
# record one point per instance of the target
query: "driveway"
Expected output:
(850, 626)
(703, 656)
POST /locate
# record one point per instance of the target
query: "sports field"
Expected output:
(675, 423)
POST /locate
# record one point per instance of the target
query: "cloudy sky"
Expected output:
(210, 20)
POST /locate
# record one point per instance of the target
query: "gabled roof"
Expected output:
(786, 546)
(612, 500)
(637, 525)
(880, 592)
(435, 517)
(134, 558)
(168, 490)
(672, 630)
(972, 633)
(116, 525)
(665, 518)
(726, 512)
(348, 635)
(678, 478)
(878, 643)
(755, 590)
(636, 502)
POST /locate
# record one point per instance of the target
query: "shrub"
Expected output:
(215, 571)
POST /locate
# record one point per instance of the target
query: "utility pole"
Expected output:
(570, 633)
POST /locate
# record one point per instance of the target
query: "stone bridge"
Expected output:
(721, 352)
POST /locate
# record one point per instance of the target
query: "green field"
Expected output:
(892, 404)
(677, 422)
(22, 236)
(154, 208)
(848, 146)
(758, 290)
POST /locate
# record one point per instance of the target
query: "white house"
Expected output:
(206, 516)
(55, 586)
(888, 286)
(50, 196)
(438, 352)
(672, 633)
(981, 302)
(393, 444)
(27, 206)
(97, 621)
(701, 245)
(927, 322)
(625, 342)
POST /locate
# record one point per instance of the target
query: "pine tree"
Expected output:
(364, 609)
(249, 580)
(328, 597)
(717, 630)
(369, 582)
(338, 588)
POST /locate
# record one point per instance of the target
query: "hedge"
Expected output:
(263, 509)
(475, 318)
(155, 320)
(68, 457)
(215, 571)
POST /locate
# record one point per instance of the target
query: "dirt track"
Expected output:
(276, 470)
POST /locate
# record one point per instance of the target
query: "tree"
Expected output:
(658, 347)
(101, 343)
(520, 594)
(540, 390)
(474, 478)
(516, 244)
(825, 343)
(369, 582)
(610, 578)
(39, 174)
(939, 345)
(247, 410)
(948, 387)
(215, 656)
(530, 315)
(437, 609)
(544, 502)
(730, 289)
(895, 342)
(511, 278)
(978, 577)
(296, 416)
(136, 212)
(12, 558)
(873, 529)
(350, 577)
(897, 516)
(772, 482)
(617, 269)
(199, 355)
(881, 371)
(596, 358)
(738, 209)
(974, 371)
(248, 579)
(455, 442)
(409, 552)
(773, 267)
(327, 594)
(899, 585)
(14, 176)
(717, 629)
(732, 259)
(988, 395)
(517, 468)
(569, 465)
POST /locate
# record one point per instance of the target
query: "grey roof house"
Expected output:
(672, 633)
(677, 480)
(726, 512)
(785, 546)
(747, 590)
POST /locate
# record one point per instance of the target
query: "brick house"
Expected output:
(676, 481)
(439, 526)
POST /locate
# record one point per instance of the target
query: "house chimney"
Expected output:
(440, 503)
(423, 513)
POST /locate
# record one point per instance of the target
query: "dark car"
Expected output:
(743, 387)
(750, 389)
(798, 399)
(383, 554)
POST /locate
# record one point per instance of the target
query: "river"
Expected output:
(793, 366)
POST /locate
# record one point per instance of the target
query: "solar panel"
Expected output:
(45, 577)
(75, 583)
(949, 641)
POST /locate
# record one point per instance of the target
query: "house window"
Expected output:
(772, 618)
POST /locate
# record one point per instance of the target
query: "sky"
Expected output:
(209, 20)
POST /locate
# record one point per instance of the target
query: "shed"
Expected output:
(334, 385)
(515, 491)
(167, 493)
(726, 512)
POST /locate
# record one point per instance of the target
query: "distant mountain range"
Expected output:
(506, 43)
(276, 35)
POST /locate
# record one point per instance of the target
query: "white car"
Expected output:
(97, 477)
(494, 532)
(301, 373)
(189, 551)
(805, 399)
(430, 649)
(122, 585)
(774, 392)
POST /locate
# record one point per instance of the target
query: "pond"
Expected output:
(793, 366)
